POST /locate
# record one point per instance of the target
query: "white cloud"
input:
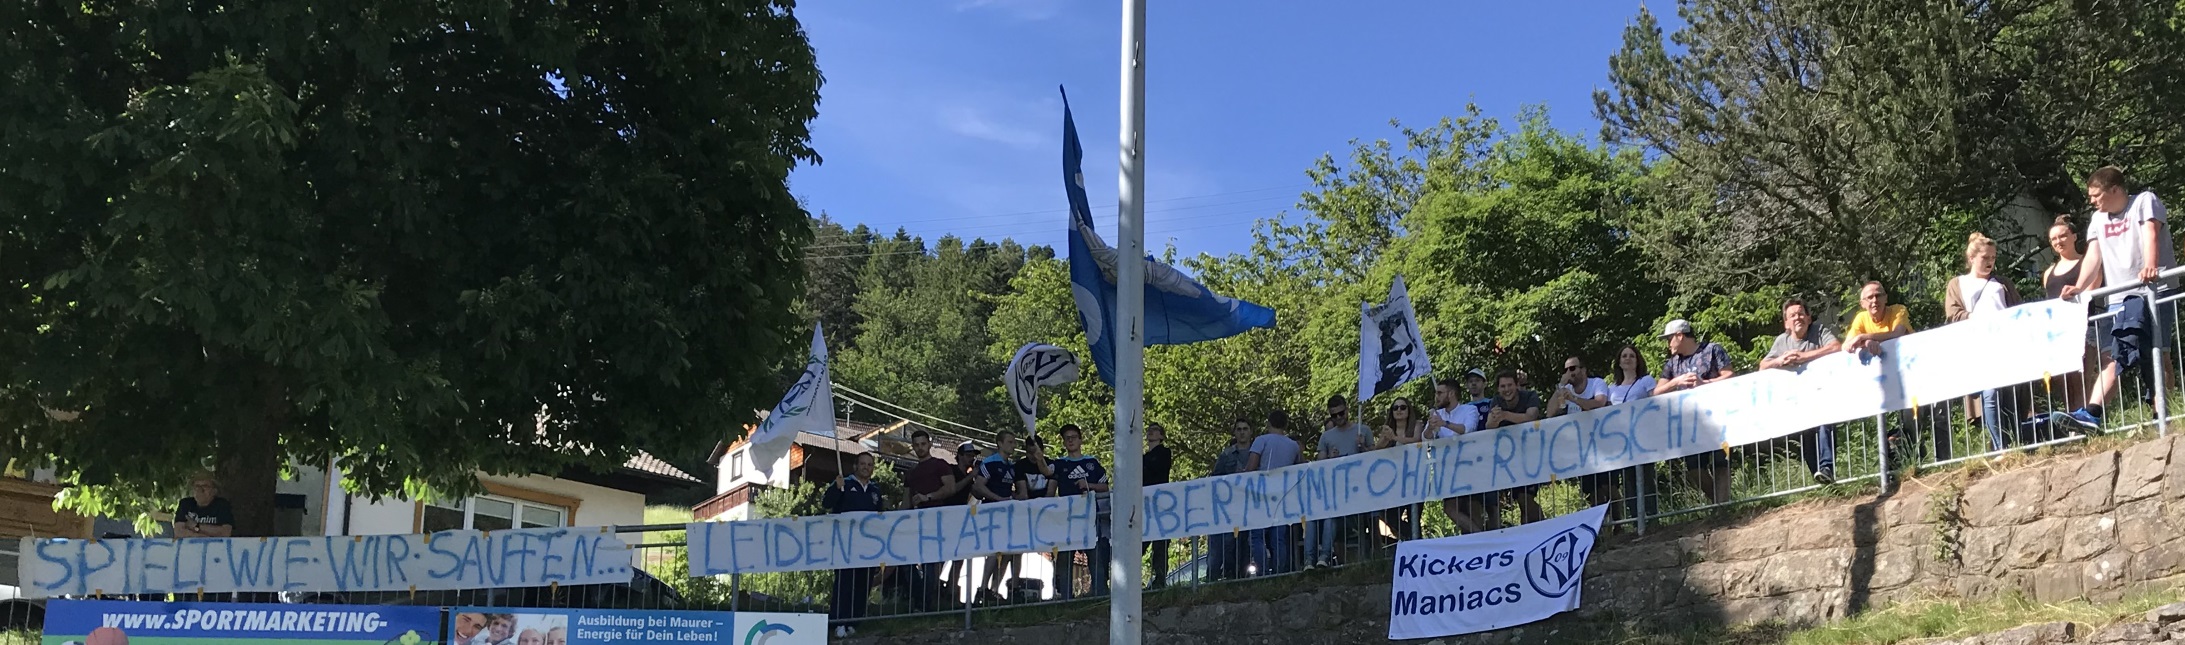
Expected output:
(1020, 9)
(983, 124)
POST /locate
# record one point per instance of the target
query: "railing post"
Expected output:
(735, 591)
(971, 596)
(2162, 341)
(1881, 448)
(1640, 477)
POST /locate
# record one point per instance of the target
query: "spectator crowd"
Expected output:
(2126, 242)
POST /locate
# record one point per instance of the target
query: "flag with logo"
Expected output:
(1036, 365)
(1491, 580)
(1390, 351)
(1178, 310)
(808, 407)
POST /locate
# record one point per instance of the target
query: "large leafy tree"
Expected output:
(1816, 144)
(422, 239)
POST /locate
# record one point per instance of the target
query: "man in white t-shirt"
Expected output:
(1577, 391)
(1451, 416)
(2128, 240)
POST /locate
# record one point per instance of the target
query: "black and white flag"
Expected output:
(1390, 352)
(1035, 366)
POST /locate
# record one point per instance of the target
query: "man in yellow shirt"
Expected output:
(1877, 321)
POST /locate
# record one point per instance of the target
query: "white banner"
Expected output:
(809, 406)
(445, 560)
(1036, 365)
(1488, 581)
(868, 539)
(2027, 343)
(1390, 352)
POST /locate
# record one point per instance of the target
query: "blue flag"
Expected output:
(1179, 310)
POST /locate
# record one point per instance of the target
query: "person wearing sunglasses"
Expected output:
(1578, 391)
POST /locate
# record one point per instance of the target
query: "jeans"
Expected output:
(1270, 549)
(1227, 560)
(1818, 448)
(1066, 571)
(1991, 419)
(1322, 538)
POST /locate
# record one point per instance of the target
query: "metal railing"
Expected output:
(1935, 434)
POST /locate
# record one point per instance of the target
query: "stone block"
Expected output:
(2007, 499)
(2035, 544)
(1982, 548)
(2087, 537)
(1637, 557)
(1908, 535)
(2167, 614)
(1748, 543)
(1707, 580)
(2105, 578)
(2173, 473)
(1980, 586)
(1298, 612)
(1170, 619)
(2142, 525)
(1748, 579)
(1907, 507)
(2042, 634)
(2085, 490)
(2128, 632)
(2140, 470)
(1806, 571)
(1747, 611)
(1830, 527)
(1895, 568)
(2058, 582)
(2158, 562)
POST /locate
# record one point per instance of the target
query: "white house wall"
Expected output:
(601, 506)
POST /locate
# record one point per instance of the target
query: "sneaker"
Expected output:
(2084, 418)
(1322, 564)
(1823, 477)
(842, 631)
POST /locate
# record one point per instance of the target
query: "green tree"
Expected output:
(1531, 264)
(1816, 144)
(425, 240)
(924, 337)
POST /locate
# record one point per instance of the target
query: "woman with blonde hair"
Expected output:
(1980, 292)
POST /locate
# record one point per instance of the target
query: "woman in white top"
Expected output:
(1980, 292)
(1628, 381)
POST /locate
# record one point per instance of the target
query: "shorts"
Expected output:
(2130, 332)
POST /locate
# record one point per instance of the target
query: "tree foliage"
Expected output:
(1821, 143)
(424, 240)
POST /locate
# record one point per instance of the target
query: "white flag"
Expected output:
(1390, 352)
(808, 407)
(1035, 366)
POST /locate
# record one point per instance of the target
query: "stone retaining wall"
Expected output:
(2098, 525)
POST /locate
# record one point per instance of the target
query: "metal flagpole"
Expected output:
(1124, 615)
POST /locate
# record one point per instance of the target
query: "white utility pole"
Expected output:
(1125, 616)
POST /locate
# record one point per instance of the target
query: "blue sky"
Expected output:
(942, 116)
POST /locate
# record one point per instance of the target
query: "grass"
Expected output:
(19, 638)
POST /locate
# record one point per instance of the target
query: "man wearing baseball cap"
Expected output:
(1692, 364)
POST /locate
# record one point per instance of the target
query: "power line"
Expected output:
(834, 241)
(870, 400)
(1096, 208)
(1150, 234)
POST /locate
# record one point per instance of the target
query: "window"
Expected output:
(491, 513)
(9, 552)
(736, 465)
